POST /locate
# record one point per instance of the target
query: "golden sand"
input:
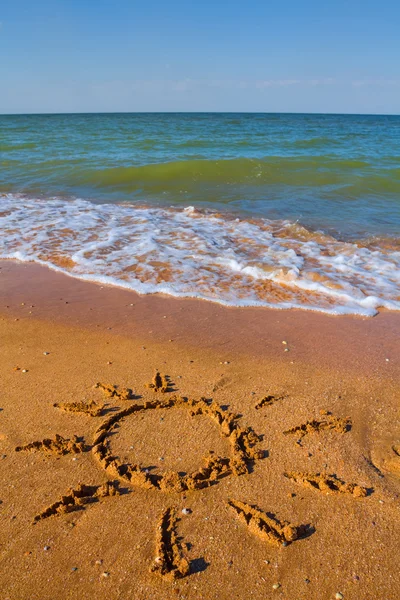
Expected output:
(198, 484)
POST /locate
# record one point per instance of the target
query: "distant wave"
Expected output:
(17, 147)
(315, 142)
(357, 175)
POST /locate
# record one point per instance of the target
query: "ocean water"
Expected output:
(242, 209)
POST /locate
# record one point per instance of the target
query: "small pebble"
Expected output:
(339, 596)
(186, 511)
(99, 561)
(276, 586)
(286, 349)
(266, 562)
(24, 370)
(284, 342)
(46, 548)
(105, 574)
(46, 353)
(226, 362)
(307, 581)
(74, 458)
(74, 569)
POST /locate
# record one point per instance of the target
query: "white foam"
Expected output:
(190, 253)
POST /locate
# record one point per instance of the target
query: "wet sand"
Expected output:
(290, 525)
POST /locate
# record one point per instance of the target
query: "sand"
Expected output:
(263, 462)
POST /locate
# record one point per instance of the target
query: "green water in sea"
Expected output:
(340, 173)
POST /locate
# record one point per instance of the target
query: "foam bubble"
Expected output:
(192, 253)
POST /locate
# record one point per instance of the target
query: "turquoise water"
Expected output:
(242, 209)
(339, 173)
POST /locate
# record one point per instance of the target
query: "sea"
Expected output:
(269, 210)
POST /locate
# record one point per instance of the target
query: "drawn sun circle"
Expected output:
(243, 443)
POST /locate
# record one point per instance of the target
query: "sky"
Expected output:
(340, 56)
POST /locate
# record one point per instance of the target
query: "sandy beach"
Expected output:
(304, 504)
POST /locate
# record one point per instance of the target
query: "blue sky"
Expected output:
(181, 55)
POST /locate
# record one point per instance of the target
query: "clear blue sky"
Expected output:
(204, 55)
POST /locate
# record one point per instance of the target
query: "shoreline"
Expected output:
(351, 342)
(251, 262)
(60, 336)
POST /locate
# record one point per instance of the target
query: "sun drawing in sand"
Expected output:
(244, 443)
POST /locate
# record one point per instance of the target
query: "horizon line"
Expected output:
(197, 112)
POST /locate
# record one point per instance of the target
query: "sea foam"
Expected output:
(203, 254)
